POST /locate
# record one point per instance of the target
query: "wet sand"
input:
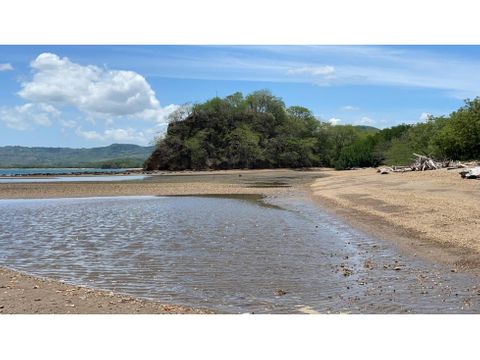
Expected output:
(432, 214)
(172, 183)
(435, 214)
(24, 294)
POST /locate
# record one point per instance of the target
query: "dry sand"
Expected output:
(432, 213)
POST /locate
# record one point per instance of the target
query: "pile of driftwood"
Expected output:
(423, 163)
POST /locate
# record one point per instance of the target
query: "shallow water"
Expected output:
(226, 254)
(53, 171)
(95, 178)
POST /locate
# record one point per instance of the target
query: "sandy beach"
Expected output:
(170, 183)
(25, 294)
(434, 214)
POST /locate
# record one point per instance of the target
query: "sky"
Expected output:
(87, 96)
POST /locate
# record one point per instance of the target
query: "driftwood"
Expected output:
(473, 173)
(456, 165)
(423, 163)
(385, 170)
(388, 169)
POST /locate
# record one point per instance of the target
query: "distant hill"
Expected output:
(366, 128)
(113, 156)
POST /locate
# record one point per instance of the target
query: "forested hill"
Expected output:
(113, 156)
(255, 131)
(259, 131)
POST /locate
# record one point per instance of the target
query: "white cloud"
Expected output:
(312, 70)
(420, 67)
(89, 135)
(161, 113)
(365, 121)
(89, 93)
(127, 135)
(70, 124)
(6, 67)
(93, 90)
(424, 116)
(25, 117)
(350, 108)
(334, 121)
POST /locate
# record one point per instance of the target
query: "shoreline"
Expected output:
(332, 191)
(407, 211)
(50, 296)
(171, 183)
(23, 293)
(41, 175)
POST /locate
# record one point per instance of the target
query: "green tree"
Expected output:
(196, 145)
(243, 150)
(458, 137)
(259, 131)
(340, 136)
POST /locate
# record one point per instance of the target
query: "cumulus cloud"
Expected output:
(25, 117)
(350, 108)
(70, 124)
(6, 67)
(93, 90)
(365, 121)
(334, 121)
(87, 93)
(128, 135)
(424, 116)
(312, 70)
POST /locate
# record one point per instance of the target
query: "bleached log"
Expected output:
(455, 165)
(385, 170)
(402, 169)
(473, 173)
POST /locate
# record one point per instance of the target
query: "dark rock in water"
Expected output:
(346, 271)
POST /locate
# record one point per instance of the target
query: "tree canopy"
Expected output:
(255, 131)
(259, 131)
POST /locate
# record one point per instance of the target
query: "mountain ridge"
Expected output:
(114, 155)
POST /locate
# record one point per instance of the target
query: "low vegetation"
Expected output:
(259, 131)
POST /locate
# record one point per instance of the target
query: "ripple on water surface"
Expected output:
(227, 254)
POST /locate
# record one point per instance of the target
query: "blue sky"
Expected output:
(85, 96)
